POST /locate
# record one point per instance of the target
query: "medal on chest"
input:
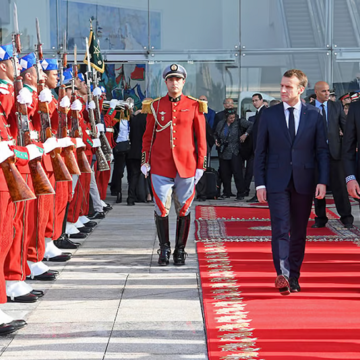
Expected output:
(162, 113)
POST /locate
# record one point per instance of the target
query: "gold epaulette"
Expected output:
(146, 106)
(203, 106)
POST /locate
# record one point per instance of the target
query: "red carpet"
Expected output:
(246, 317)
(330, 203)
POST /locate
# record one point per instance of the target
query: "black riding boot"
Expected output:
(162, 226)
(182, 232)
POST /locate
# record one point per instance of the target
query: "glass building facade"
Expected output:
(230, 48)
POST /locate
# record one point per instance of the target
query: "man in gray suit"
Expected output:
(334, 121)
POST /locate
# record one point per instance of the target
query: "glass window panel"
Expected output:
(346, 72)
(26, 20)
(120, 24)
(346, 31)
(269, 24)
(216, 81)
(263, 72)
(194, 25)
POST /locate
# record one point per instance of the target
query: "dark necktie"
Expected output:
(324, 115)
(291, 124)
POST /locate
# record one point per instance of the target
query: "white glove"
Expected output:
(34, 151)
(45, 95)
(113, 103)
(96, 143)
(198, 174)
(50, 144)
(97, 91)
(91, 105)
(5, 151)
(65, 102)
(79, 143)
(76, 105)
(145, 169)
(24, 96)
(100, 127)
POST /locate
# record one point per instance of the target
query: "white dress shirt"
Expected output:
(124, 131)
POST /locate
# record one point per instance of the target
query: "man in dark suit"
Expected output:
(259, 105)
(350, 157)
(334, 121)
(291, 141)
(221, 115)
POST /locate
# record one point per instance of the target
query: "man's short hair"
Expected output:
(258, 95)
(274, 102)
(303, 80)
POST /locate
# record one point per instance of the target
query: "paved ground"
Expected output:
(112, 301)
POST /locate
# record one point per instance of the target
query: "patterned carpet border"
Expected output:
(215, 230)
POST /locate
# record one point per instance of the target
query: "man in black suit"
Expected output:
(221, 115)
(259, 105)
(350, 157)
(133, 160)
(291, 142)
(334, 121)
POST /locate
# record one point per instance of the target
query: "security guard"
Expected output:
(174, 123)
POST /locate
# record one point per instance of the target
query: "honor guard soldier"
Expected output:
(174, 123)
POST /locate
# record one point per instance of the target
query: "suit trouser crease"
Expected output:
(289, 213)
(229, 168)
(341, 197)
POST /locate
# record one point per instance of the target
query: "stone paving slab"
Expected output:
(112, 300)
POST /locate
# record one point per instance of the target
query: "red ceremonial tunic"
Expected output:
(173, 150)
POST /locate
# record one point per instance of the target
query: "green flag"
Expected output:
(96, 59)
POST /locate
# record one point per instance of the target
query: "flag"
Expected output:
(96, 59)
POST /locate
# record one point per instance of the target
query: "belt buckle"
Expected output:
(34, 135)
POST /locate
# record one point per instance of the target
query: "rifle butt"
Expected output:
(102, 164)
(82, 161)
(18, 189)
(61, 171)
(70, 161)
(105, 146)
(41, 183)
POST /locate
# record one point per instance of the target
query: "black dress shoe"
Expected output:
(107, 208)
(119, 198)
(46, 276)
(348, 226)
(85, 230)
(17, 324)
(28, 298)
(38, 293)
(318, 226)
(6, 329)
(294, 285)
(254, 199)
(130, 202)
(239, 198)
(282, 283)
(79, 235)
(91, 224)
(97, 215)
(60, 258)
(65, 243)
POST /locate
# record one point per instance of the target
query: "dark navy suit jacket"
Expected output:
(276, 159)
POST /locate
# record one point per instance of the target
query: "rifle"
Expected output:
(102, 164)
(41, 183)
(105, 146)
(61, 172)
(76, 131)
(68, 151)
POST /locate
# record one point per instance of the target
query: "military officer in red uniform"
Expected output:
(174, 123)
